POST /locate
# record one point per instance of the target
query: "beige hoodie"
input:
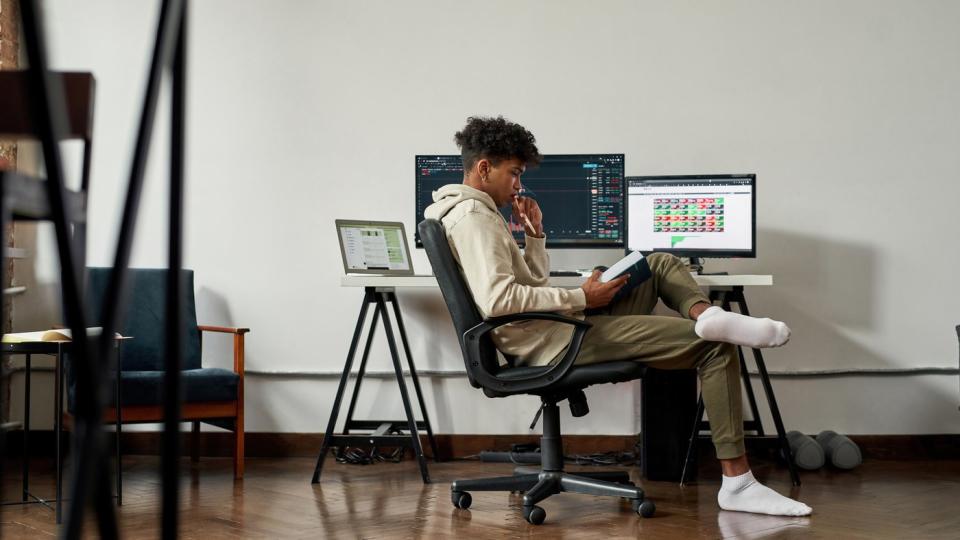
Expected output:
(503, 280)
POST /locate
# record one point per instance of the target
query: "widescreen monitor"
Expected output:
(692, 216)
(580, 195)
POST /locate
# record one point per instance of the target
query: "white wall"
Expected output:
(303, 112)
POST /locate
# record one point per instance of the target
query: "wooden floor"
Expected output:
(882, 499)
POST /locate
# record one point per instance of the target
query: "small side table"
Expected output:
(56, 349)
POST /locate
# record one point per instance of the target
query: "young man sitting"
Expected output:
(504, 280)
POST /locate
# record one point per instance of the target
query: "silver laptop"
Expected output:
(374, 247)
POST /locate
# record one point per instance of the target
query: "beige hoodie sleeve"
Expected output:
(538, 261)
(484, 253)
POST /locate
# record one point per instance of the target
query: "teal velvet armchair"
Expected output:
(210, 395)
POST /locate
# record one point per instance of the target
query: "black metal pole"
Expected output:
(58, 426)
(48, 111)
(49, 115)
(112, 310)
(3, 266)
(174, 350)
(25, 460)
(117, 400)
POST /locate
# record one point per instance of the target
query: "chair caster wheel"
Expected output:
(534, 514)
(461, 499)
(644, 508)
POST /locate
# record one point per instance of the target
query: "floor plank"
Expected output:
(881, 499)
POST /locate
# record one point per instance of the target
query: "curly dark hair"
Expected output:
(495, 139)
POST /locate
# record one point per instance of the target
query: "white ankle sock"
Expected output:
(744, 494)
(715, 324)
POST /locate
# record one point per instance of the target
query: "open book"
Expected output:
(626, 264)
(59, 334)
(635, 265)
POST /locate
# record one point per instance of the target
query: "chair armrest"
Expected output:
(494, 322)
(472, 339)
(222, 329)
(238, 346)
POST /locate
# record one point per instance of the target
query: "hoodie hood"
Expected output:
(451, 195)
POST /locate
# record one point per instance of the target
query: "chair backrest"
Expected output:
(143, 320)
(459, 301)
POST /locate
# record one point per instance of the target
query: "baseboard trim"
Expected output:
(281, 445)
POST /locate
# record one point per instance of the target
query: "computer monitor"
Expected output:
(692, 216)
(581, 196)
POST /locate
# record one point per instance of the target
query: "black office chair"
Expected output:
(553, 383)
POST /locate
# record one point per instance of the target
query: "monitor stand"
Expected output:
(696, 265)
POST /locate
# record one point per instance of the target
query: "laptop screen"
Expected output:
(374, 247)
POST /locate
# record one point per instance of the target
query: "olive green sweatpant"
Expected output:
(626, 330)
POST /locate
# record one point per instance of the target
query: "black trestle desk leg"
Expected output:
(744, 373)
(328, 435)
(413, 375)
(751, 397)
(411, 421)
(772, 402)
(25, 460)
(691, 458)
(360, 372)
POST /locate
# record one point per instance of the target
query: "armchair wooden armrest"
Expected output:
(222, 329)
(237, 345)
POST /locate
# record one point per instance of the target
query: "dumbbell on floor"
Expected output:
(840, 450)
(807, 454)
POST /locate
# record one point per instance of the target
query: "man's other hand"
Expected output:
(600, 294)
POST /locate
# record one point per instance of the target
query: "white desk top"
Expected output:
(358, 280)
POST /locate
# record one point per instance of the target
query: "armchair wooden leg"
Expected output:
(238, 448)
(195, 442)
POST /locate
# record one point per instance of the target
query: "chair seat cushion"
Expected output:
(199, 385)
(205, 384)
(578, 377)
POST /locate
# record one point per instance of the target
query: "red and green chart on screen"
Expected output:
(696, 215)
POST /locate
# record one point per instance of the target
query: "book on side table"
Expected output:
(57, 334)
